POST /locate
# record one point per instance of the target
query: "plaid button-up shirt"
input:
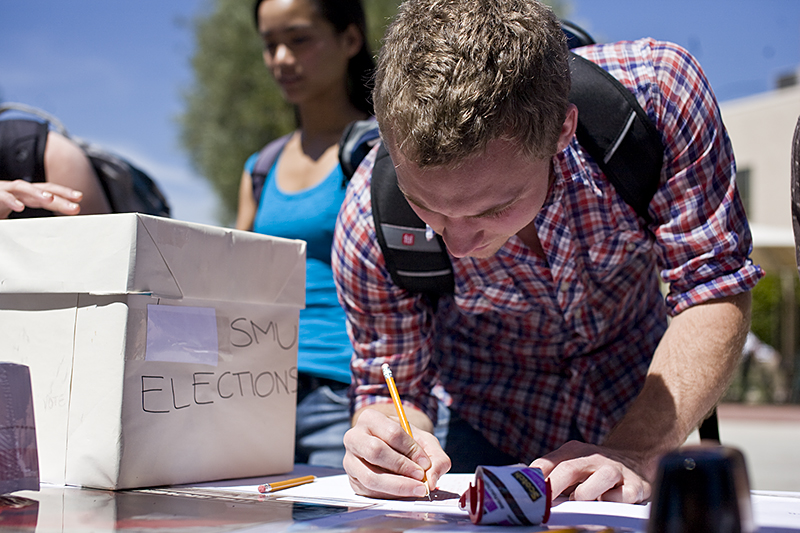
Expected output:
(530, 348)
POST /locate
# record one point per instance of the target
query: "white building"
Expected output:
(761, 128)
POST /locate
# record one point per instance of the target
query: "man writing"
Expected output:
(555, 347)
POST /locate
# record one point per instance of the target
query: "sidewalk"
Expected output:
(769, 438)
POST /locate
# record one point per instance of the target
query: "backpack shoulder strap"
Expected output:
(617, 133)
(358, 139)
(576, 36)
(266, 158)
(56, 124)
(415, 263)
(22, 143)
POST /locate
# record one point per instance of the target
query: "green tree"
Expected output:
(233, 107)
(765, 321)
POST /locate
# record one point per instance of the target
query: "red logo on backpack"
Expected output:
(408, 239)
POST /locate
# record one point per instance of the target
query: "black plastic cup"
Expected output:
(702, 489)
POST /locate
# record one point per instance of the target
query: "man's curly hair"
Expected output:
(454, 75)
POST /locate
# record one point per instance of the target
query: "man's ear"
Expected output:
(352, 39)
(568, 127)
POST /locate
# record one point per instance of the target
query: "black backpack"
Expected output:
(127, 188)
(612, 127)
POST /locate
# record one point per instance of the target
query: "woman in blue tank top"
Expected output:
(316, 51)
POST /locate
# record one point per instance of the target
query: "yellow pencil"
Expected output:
(401, 414)
(285, 484)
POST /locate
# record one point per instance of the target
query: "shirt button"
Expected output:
(630, 247)
(564, 286)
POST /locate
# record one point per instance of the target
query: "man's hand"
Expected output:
(592, 472)
(18, 194)
(383, 461)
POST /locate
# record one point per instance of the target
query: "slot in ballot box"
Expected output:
(160, 351)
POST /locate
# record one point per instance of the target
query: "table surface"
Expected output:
(215, 507)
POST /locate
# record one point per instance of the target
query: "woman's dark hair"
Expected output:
(341, 14)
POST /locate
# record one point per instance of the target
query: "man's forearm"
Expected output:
(691, 369)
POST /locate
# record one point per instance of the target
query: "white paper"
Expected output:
(771, 510)
(777, 509)
(336, 490)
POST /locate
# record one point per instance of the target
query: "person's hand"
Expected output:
(18, 194)
(382, 461)
(593, 473)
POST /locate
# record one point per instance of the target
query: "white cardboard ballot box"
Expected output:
(161, 352)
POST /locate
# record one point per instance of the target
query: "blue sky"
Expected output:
(113, 70)
(743, 45)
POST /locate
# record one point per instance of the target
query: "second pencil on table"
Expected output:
(285, 484)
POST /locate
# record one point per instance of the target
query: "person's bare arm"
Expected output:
(691, 369)
(246, 212)
(67, 165)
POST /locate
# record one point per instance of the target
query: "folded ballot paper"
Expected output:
(160, 351)
(19, 463)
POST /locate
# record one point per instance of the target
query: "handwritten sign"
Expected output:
(248, 332)
(165, 394)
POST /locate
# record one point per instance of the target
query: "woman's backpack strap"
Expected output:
(266, 158)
